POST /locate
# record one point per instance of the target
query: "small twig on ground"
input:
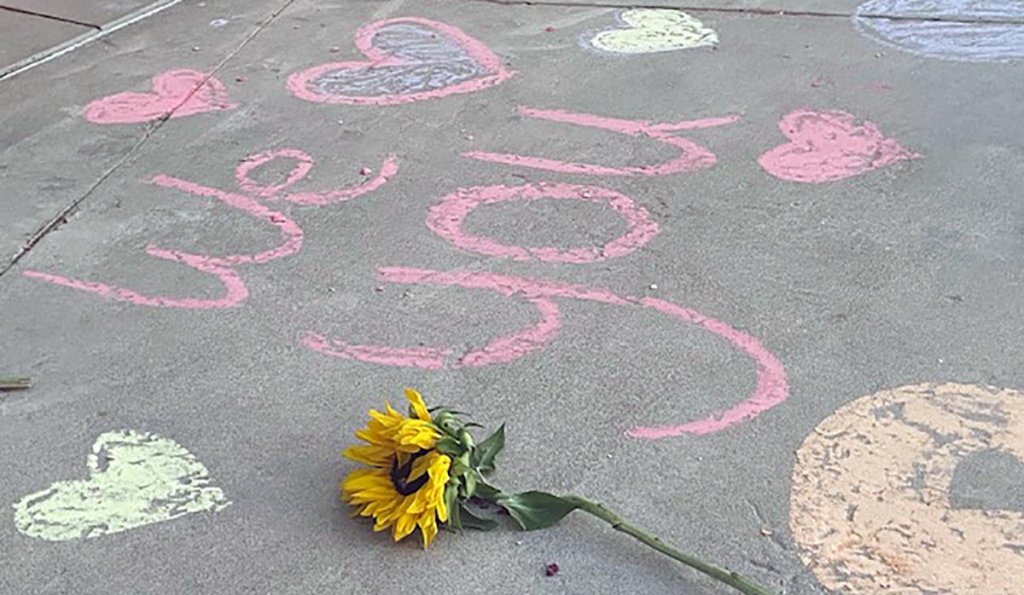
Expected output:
(15, 382)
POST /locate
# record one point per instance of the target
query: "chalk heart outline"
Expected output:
(655, 30)
(135, 479)
(171, 95)
(827, 146)
(495, 71)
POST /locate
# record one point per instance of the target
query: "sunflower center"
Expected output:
(400, 475)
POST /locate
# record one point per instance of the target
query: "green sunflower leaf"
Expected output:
(536, 510)
(488, 450)
(451, 502)
(450, 446)
(486, 491)
(471, 521)
(469, 484)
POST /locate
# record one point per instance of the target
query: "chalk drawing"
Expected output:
(770, 389)
(872, 504)
(692, 157)
(135, 479)
(407, 59)
(178, 93)
(829, 146)
(961, 30)
(647, 30)
(224, 267)
(448, 216)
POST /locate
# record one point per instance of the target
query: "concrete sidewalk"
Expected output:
(687, 257)
(35, 32)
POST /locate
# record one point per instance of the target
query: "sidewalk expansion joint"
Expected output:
(761, 12)
(49, 17)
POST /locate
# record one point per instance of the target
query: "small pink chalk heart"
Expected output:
(828, 146)
(179, 93)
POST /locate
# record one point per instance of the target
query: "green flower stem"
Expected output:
(734, 580)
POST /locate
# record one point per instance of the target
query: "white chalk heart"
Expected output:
(135, 479)
(655, 30)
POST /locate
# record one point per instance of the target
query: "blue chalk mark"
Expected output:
(971, 30)
(434, 62)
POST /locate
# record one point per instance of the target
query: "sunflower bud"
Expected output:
(466, 439)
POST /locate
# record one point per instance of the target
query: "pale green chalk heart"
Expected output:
(655, 30)
(135, 479)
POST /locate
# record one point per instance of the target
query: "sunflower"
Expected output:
(403, 484)
(425, 468)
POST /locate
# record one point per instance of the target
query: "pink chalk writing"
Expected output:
(502, 349)
(771, 387)
(176, 93)
(407, 59)
(303, 163)
(447, 217)
(829, 146)
(692, 157)
(223, 267)
(235, 291)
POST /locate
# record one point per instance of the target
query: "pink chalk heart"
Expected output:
(408, 59)
(829, 146)
(179, 93)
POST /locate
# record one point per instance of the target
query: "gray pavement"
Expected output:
(867, 265)
(35, 31)
(26, 35)
(91, 13)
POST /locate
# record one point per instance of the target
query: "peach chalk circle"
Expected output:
(770, 390)
(872, 504)
(446, 219)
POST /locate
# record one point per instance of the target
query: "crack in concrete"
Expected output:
(776, 12)
(74, 43)
(50, 17)
(62, 216)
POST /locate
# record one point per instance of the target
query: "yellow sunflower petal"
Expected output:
(370, 454)
(387, 419)
(356, 475)
(405, 525)
(419, 407)
(428, 527)
(382, 524)
(414, 435)
(439, 477)
(357, 482)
